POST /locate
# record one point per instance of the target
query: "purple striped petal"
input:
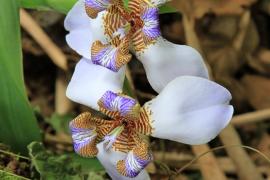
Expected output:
(84, 135)
(112, 56)
(117, 103)
(106, 57)
(93, 7)
(136, 161)
(151, 23)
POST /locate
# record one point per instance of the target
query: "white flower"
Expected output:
(94, 27)
(189, 110)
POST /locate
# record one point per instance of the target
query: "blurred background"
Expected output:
(234, 39)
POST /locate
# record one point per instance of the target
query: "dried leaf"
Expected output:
(257, 89)
(261, 63)
(198, 8)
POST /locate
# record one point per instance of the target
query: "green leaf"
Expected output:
(59, 5)
(4, 175)
(166, 9)
(65, 5)
(18, 124)
(87, 164)
(127, 89)
(60, 122)
(67, 166)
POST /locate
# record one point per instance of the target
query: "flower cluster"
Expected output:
(189, 108)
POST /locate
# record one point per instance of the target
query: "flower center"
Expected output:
(134, 20)
(112, 136)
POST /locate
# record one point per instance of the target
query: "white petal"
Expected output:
(83, 30)
(109, 159)
(159, 2)
(77, 17)
(164, 61)
(89, 82)
(81, 41)
(190, 110)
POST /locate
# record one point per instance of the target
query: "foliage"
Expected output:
(59, 5)
(60, 122)
(65, 5)
(9, 176)
(67, 166)
(18, 124)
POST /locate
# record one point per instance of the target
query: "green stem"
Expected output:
(14, 175)
(13, 154)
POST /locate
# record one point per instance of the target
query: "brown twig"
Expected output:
(251, 117)
(208, 164)
(62, 104)
(179, 160)
(229, 135)
(245, 167)
(243, 26)
(54, 52)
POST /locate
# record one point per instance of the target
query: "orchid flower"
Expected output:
(189, 110)
(105, 33)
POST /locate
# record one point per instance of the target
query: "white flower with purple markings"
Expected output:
(189, 108)
(105, 33)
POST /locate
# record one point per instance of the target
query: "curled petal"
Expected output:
(136, 161)
(149, 32)
(112, 56)
(109, 160)
(164, 61)
(190, 110)
(84, 135)
(89, 82)
(119, 105)
(93, 7)
(77, 17)
(83, 30)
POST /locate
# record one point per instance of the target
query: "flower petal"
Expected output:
(84, 135)
(83, 30)
(81, 41)
(164, 61)
(117, 105)
(190, 110)
(151, 22)
(112, 56)
(109, 160)
(113, 19)
(137, 159)
(77, 17)
(150, 31)
(93, 7)
(90, 82)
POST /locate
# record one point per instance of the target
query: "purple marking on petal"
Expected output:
(107, 58)
(81, 137)
(133, 169)
(99, 5)
(113, 102)
(151, 23)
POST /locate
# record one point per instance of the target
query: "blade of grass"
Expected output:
(18, 124)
